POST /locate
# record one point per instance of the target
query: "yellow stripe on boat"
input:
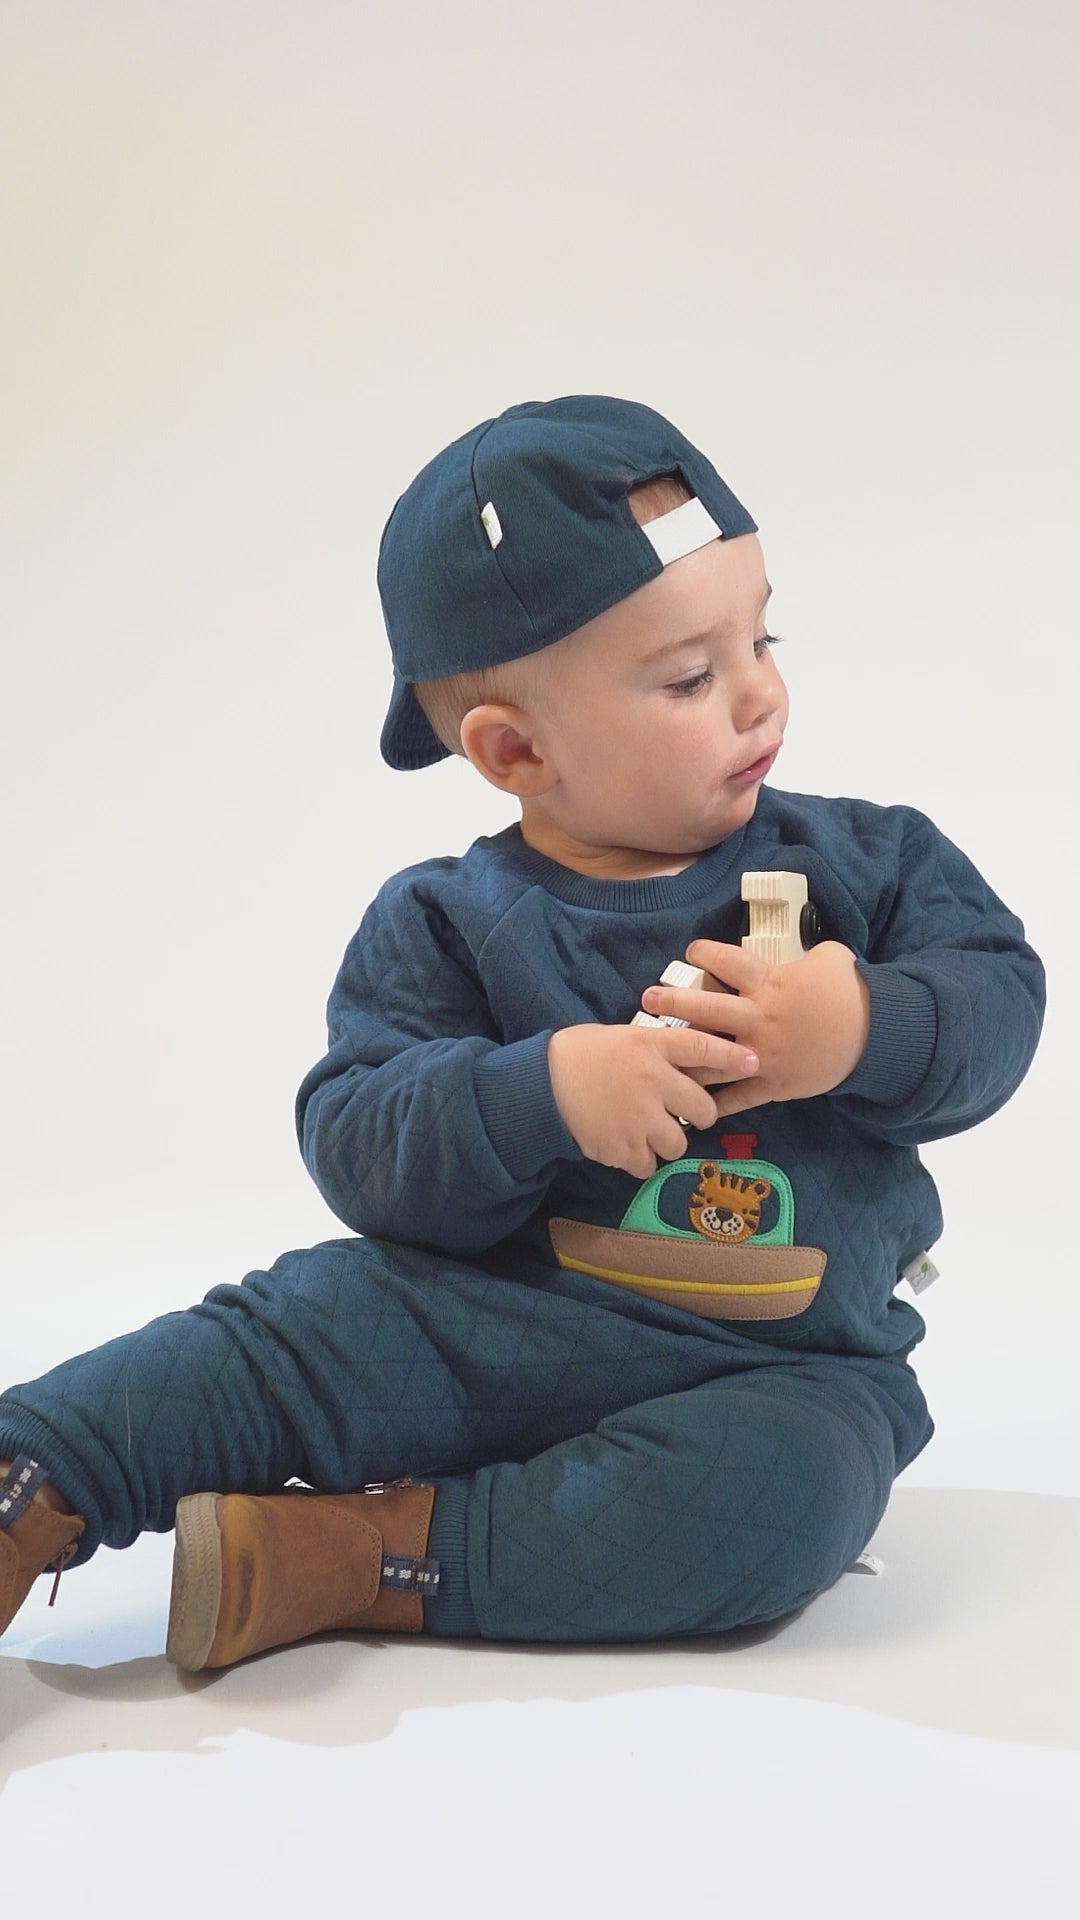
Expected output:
(686, 1286)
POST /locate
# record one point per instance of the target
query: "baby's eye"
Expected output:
(701, 680)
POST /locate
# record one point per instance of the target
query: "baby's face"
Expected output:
(656, 706)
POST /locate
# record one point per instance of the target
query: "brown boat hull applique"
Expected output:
(713, 1238)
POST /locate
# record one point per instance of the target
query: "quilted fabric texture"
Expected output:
(609, 1466)
(617, 1470)
(431, 1119)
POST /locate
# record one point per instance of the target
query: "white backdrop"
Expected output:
(257, 264)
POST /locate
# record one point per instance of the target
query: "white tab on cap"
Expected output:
(491, 524)
(682, 530)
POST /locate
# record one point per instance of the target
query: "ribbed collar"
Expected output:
(619, 896)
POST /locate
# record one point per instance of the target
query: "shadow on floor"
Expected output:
(969, 1630)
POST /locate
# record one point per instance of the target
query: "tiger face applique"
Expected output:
(692, 1238)
(725, 1205)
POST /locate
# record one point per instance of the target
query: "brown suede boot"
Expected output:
(258, 1571)
(34, 1535)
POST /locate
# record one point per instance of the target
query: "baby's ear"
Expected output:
(498, 741)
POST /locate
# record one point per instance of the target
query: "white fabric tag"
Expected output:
(920, 1273)
(868, 1563)
(492, 526)
(682, 530)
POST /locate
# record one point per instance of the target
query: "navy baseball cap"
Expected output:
(520, 531)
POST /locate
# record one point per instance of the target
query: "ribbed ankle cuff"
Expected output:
(448, 1613)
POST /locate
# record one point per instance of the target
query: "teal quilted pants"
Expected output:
(607, 1468)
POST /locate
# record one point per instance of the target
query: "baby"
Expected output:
(613, 1349)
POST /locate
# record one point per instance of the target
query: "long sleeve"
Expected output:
(957, 997)
(418, 1125)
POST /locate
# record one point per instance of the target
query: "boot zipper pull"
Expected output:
(60, 1563)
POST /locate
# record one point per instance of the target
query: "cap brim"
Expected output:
(407, 740)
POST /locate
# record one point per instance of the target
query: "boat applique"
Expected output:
(712, 1237)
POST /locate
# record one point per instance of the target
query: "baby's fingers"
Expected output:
(709, 1077)
(688, 1101)
(707, 1058)
(719, 1012)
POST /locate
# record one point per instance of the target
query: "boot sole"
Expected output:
(195, 1600)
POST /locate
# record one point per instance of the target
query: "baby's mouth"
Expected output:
(757, 769)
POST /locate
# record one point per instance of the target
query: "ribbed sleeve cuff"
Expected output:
(903, 1035)
(517, 1106)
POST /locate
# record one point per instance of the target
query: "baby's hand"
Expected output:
(620, 1088)
(807, 1020)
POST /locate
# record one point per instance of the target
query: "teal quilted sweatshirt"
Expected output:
(431, 1120)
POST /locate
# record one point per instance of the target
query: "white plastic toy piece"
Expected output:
(776, 904)
(677, 973)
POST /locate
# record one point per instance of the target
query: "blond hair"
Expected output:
(522, 682)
